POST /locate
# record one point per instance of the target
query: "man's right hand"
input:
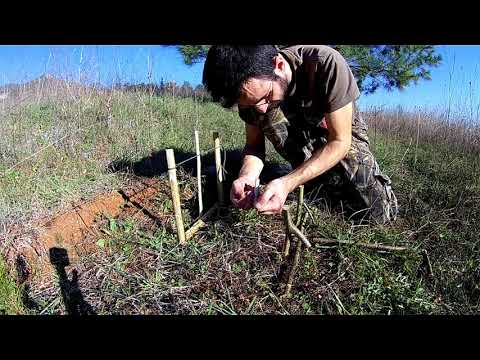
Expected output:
(242, 192)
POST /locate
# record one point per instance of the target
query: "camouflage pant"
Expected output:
(357, 182)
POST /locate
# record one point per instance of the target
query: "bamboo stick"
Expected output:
(218, 166)
(199, 174)
(172, 175)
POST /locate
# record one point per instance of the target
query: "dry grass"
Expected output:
(234, 266)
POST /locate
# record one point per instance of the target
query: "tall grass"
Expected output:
(59, 139)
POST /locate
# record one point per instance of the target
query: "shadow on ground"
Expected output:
(323, 191)
(72, 296)
(156, 164)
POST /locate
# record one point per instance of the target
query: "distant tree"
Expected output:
(374, 66)
(193, 53)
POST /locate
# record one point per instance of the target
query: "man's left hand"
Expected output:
(272, 198)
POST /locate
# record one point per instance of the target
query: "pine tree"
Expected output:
(374, 66)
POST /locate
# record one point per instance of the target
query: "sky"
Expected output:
(454, 82)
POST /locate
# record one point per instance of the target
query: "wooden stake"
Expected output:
(172, 175)
(199, 174)
(218, 166)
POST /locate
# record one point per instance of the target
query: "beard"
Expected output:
(283, 86)
(280, 98)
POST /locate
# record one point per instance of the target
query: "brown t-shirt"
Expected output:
(335, 85)
(322, 82)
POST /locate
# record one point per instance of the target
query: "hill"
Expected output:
(60, 158)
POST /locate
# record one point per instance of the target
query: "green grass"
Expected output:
(230, 271)
(10, 296)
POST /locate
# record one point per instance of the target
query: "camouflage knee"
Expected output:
(373, 187)
(381, 201)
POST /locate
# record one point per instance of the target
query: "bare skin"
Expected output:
(259, 93)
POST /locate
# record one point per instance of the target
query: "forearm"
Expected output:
(321, 161)
(252, 167)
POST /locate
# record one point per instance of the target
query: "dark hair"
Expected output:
(227, 67)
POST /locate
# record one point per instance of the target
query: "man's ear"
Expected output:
(279, 64)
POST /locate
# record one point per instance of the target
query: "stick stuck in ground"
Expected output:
(172, 175)
(301, 190)
(199, 174)
(218, 166)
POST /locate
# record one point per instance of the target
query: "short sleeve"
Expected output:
(337, 81)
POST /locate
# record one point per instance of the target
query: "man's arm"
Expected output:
(339, 141)
(254, 155)
(254, 152)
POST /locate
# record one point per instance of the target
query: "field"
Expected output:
(130, 261)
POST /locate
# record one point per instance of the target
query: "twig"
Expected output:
(299, 205)
(200, 223)
(291, 228)
(286, 245)
(366, 245)
(406, 151)
(293, 269)
(310, 213)
(429, 264)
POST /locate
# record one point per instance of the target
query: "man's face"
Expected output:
(262, 94)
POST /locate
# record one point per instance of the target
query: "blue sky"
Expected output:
(456, 80)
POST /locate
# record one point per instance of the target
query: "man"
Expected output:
(301, 98)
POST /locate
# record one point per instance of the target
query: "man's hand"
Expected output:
(273, 197)
(242, 192)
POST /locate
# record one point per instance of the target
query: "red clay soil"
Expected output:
(69, 230)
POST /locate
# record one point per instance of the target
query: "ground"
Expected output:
(119, 253)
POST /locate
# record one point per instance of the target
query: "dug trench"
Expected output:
(145, 195)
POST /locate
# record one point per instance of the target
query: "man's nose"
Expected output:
(262, 108)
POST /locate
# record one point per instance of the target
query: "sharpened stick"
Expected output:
(218, 166)
(199, 174)
(293, 269)
(286, 245)
(301, 190)
(172, 175)
(200, 223)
